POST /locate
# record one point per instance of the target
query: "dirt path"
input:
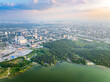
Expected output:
(8, 72)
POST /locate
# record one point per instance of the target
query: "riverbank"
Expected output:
(62, 72)
(9, 75)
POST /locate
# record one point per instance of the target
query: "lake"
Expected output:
(63, 72)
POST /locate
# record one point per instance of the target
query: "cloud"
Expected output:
(40, 4)
(69, 2)
(35, 1)
(99, 13)
(7, 4)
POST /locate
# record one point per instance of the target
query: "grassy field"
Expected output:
(32, 53)
(15, 61)
(3, 72)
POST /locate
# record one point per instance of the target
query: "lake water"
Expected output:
(63, 72)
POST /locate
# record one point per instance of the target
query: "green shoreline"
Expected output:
(28, 67)
(57, 51)
(32, 64)
(17, 73)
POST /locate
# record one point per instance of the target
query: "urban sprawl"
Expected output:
(18, 40)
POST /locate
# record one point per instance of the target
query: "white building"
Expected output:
(20, 40)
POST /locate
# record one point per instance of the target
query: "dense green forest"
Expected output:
(77, 51)
(99, 57)
(58, 50)
(44, 57)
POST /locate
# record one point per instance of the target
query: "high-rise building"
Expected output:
(6, 33)
(40, 37)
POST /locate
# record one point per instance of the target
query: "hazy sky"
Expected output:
(42, 10)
